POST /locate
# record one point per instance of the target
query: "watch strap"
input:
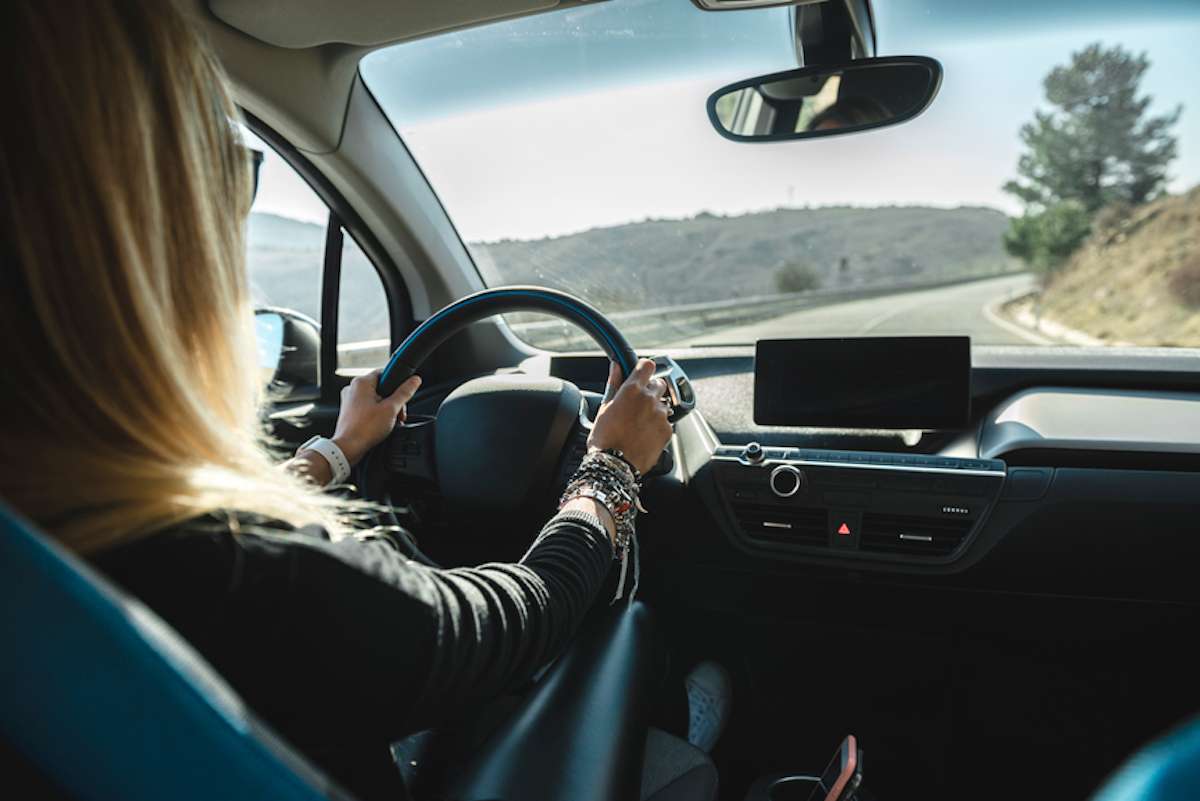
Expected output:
(338, 463)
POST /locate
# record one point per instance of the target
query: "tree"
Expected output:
(1044, 239)
(794, 278)
(1095, 145)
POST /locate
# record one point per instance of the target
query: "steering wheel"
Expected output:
(499, 441)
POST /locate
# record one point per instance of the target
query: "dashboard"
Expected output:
(857, 505)
(1057, 483)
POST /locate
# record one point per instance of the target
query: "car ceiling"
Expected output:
(309, 23)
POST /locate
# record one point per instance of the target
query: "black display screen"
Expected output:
(865, 382)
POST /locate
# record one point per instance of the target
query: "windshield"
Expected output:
(1046, 197)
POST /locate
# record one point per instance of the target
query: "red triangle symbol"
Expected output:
(843, 529)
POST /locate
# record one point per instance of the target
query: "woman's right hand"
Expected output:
(634, 421)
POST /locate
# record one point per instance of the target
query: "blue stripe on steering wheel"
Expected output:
(597, 329)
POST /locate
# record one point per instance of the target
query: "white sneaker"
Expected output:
(710, 696)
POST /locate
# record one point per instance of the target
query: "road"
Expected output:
(959, 309)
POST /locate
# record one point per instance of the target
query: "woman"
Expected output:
(131, 401)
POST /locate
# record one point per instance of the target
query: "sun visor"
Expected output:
(308, 23)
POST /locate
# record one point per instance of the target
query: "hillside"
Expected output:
(273, 232)
(284, 257)
(708, 257)
(1132, 279)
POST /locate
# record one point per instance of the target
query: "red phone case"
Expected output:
(848, 767)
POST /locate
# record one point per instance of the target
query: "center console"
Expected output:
(857, 505)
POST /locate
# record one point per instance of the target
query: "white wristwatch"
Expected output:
(338, 462)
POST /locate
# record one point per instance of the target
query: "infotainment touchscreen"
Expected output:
(864, 382)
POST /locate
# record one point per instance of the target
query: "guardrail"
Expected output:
(669, 324)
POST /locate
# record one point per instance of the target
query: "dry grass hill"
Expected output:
(1137, 277)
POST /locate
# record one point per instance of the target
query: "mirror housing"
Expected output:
(826, 99)
(289, 350)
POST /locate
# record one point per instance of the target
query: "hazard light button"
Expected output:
(844, 526)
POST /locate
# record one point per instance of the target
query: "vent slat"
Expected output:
(922, 536)
(793, 526)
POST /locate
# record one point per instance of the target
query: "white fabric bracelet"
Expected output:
(329, 450)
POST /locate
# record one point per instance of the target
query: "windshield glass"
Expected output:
(1046, 197)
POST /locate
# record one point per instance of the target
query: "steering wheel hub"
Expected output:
(499, 438)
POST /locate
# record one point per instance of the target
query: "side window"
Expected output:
(285, 236)
(285, 241)
(364, 325)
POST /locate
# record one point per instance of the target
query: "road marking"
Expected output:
(879, 320)
(993, 316)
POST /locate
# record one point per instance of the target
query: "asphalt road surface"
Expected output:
(961, 309)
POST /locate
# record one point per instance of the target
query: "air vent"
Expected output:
(912, 535)
(782, 524)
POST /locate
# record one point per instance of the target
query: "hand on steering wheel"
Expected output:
(365, 419)
(635, 419)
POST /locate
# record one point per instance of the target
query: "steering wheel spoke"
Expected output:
(411, 449)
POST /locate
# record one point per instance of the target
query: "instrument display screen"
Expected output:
(863, 382)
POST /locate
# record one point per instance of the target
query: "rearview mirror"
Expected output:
(826, 100)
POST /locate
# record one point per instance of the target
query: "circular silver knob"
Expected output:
(786, 481)
(753, 453)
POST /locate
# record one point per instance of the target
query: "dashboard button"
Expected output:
(786, 481)
(844, 525)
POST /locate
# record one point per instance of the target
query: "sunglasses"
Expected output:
(256, 160)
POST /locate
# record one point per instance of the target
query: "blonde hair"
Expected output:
(131, 394)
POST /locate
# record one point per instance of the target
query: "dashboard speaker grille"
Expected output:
(912, 535)
(790, 525)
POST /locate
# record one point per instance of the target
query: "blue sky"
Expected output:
(595, 115)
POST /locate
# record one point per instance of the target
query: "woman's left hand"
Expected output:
(365, 419)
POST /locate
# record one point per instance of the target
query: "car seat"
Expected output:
(103, 699)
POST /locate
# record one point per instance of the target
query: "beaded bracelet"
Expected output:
(614, 453)
(609, 481)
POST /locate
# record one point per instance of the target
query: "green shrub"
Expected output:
(1046, 239)
(794, 278)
